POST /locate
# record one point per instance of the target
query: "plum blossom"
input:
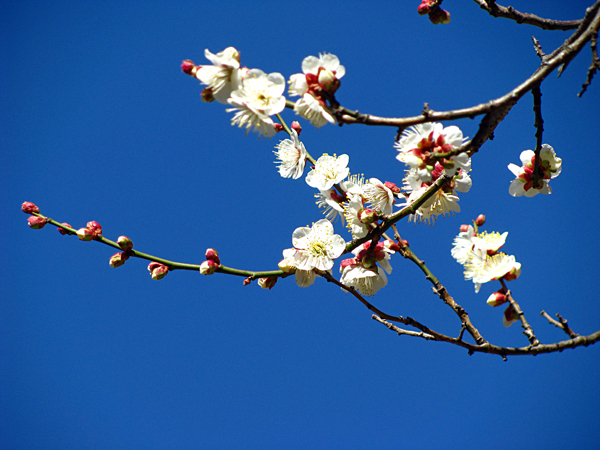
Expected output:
(549, 167)
(366, 281)
(379, 196)
(362, 272)
(318, 82)
(328, 170)
(292, 155)
(317, 246)
(258, 98)
(482, 268)
(224, 76)
(352, 212)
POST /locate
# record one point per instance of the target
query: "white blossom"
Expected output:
(482, 268)
(549, 167)
(224, 76)
(292, 156)
(329, 170)
(365, 281)
(317, 247)
(380, 197)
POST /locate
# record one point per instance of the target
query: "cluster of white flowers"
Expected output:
(549, 167)
(427, 149)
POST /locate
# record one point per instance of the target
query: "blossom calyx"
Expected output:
(509, 317)
(37, 223)
(267, 282)
(513, 273)
(28, 208)
(157, 270)
(439, 16)
(208, 267)
(497, 299)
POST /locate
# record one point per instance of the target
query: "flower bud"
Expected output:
(188, 67)
(125, 243)
(480, 220)
(287, 265)
(368, 261)
(247, 281)
(278, 127)
(496, 299)
(95, 228)
(404, 243)
(37, 223)
(208, 267)
(118, 259)
(367, 216)
(347, 262)
(212, 255)
(28, 208)
(296, 126)
(62, 230)
(509, 317)
(328, 81)
(391, 245)
(464, 228)
(267, 282)
(85, 234)
(157, 270)
(424, 7)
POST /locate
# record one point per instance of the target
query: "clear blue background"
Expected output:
(99, 123)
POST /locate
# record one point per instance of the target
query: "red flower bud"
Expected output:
(464, 228)
(157, 270)
(392, 187)
(212, 255)
(480, 220)
(125, 243)
(509, 317)
(496, 299)
(278, 127)
(247, 281)
(37, 223)
(296, 126)
(188, 67)
(118, 259)
(28, 208)
(267, 282)
(85, 234)
(62, 230)
(208, 267)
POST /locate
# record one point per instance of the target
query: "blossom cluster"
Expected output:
(256, 96)
(525, 184)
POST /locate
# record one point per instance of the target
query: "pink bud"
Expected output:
(464, 228)
(296, 126)
(267, 282)
(208, 267)
(509, 317)
(95, 228)
(404, 243)
(367, 216)
(391, 245)
(424, 7)
(125, 243)
(392, 187)
(278, 127)
(347, 262)
(247, 281)
(62, 230)
(212, 255)
(496, 299)
(286, 266)
(480, 220)
(157, 270)
(85, 234)
(118, 259)
(188, 67)
(28, 208)
(37, 223)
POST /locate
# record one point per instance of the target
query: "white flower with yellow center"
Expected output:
(292, 157)
(490, 242)
(463, 245)
(365, 281)
(260, 97)
(329, 170)
(313, 110)
(439, 204)
(379, 196)
(317, 247)
(549, 167)
(482, 268)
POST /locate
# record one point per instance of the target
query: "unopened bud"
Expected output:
(124, 243)
(95, 228)
(62, 230)
(296, 126)
(212, 255)
(208, 267)
(424, 7)
(37, 223)
(267, 282)
(247, 281)
(480, 220)
(496, 299)
(509, 317)
(157, 270)
(391, 245)
(404, 243)
(278, 127)
(347, 262)
(367, 216)
(286, 266)
(188, 67)
(85, 234)
(118, 259)
(464, 228)
(368, 261)
(28, 208)
(392, 187)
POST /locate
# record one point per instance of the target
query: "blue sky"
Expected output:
(99, 123)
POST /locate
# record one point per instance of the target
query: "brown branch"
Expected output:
(496, 10)
(539, 126)
(528, 331)
(594, 66)
(561, 323)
